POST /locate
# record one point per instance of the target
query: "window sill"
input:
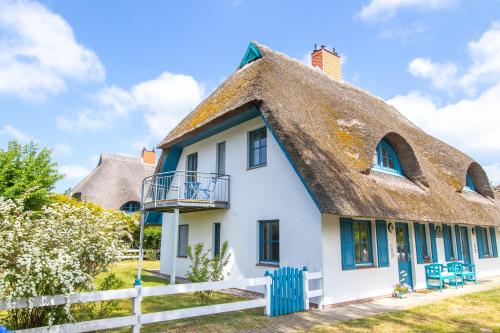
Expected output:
(387, 171)
(366, 266)
(182, 257)
(265, 264)
(256, 166)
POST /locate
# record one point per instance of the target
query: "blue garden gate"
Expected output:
(287, 291)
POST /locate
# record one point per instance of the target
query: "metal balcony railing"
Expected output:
(186, 190)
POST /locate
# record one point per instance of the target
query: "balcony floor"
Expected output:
(184, 205)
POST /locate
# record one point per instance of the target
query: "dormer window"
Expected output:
(469, 183)
(386, 160)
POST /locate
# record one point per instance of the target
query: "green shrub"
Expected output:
(152, 237)
(203, 268)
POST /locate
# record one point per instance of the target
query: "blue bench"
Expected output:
(463, 271)
(438, 273)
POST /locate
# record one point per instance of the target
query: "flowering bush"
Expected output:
(56, 250)
(401, 289)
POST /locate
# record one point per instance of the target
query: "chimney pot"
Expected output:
(328, 61)
(148, 156)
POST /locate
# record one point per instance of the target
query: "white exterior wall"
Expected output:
(485, 267)
(344, 286)
(265, 193)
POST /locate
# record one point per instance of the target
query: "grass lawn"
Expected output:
(126, 271)
(476, 312)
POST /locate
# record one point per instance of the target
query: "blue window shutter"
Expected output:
(382, 246)
(432, 234)
(493, 242)
(448, 244)
(459, 244)
(418, 245)
(479, 236)
(347, 243)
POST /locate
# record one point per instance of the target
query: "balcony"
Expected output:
(186, 191)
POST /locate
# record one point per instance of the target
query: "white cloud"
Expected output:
(15, 133)
(485, 67)
(74, 171)
(163, 101)
(493, 171)
(166, 100)
(62, 149)
(39, 52)
(384, 9)
(442, 76)
(472, 125)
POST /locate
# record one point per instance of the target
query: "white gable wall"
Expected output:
(270, 192)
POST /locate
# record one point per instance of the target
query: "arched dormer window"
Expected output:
(131, 207)
(469, 183)
(386, 160)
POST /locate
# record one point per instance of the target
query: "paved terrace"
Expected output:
(306, 320)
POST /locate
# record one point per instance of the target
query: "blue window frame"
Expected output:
(269, 242)
(131, 207)
(469, 183)
(386, 160)
(362, 232)
(257, 148)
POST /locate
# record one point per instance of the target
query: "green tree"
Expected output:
(28, 172)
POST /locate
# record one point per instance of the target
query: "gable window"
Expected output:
(131, 207)
(221, 158)
(469, 183)
(269, 242)
(362, 242)
(192, 167)
(182, 241)
(386, 160)
(257, 148)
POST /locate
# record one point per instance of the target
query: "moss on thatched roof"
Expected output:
(330, 129)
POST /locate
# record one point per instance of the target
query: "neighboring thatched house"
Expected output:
(116, 181)
(294, 167)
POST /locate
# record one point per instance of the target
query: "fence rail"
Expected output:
(137, 293)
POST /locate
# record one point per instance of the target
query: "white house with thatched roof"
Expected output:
(115, 183)
(294, 167)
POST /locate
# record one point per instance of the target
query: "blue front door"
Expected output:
(464, 240)
(404, 255)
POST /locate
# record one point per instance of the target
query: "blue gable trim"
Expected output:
(153, 218)
(283, 149)
(251, 54)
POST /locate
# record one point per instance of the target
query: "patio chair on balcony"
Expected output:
(208, 192)
(464, 271)
(437, 272)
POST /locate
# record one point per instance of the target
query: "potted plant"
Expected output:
(400, 290)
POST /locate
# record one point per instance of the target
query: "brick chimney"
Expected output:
(148, 156)
(328, 61)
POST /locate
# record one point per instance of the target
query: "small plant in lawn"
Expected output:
(203, 268)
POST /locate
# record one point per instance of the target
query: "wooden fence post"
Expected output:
(136, 309)
(268, 294)
(305, 285)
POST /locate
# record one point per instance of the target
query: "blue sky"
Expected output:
(86, 77)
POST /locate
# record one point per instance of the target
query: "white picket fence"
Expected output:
(134, 254)
(137, 293)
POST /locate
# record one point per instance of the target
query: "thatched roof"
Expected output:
(116, 180)
(330, 130)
